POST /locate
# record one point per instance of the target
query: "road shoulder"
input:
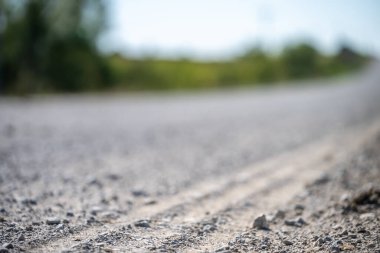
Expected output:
(338, 212)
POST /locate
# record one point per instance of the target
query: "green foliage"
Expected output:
(50, 46)
(255, 67)
(300, 61)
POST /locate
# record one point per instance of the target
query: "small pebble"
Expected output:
(113, 177)
(261, 222)
(53, 221)
(209, 227)
(21, 237)
(347, 246)
(367, 216)
(142, 223)
(96, 209)
(280, 214)
(149, 202)
(29, 201)
(287, 242)
(110, 215)
(335, 249)
(319, 242)
(139, 193)
(372, 245)
(8, 245)
(91, 220)
(345, 197)
(295, 222)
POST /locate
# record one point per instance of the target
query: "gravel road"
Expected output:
(175, 172)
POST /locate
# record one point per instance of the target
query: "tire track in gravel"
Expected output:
(236, 212)
(226, 201)
(239, 215)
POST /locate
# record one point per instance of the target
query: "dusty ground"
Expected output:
(339, 211)
(191, 173)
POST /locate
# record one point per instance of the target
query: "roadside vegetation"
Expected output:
(255, 67)
(51, 46)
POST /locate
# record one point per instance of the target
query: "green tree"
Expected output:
(51, 45)
(300, 61)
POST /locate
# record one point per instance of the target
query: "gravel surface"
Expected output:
(340, 212)
(84, 173)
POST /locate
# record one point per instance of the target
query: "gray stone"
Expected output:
(209, 227)
(319, 242)
(287, 242)
(261, 222)
(280, 214)
(91, 220)
(110, 215)
(299, 207)
(29, 201)
(8, 245)
(113, 176)
(21, 237)
(290, 222)
(372, 245)
(301, 221)
(53, 221)
(295, 222)
(142, 223)
(139, 193)
(367, 216)
(345, 197)
(335, 246)
(96, 209)
(149, 202)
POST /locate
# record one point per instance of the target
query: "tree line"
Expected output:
(51, 46)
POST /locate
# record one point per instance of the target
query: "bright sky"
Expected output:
(219, 28)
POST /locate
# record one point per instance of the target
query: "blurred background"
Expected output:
(52, 46)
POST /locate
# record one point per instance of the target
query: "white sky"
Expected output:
(219, 28)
